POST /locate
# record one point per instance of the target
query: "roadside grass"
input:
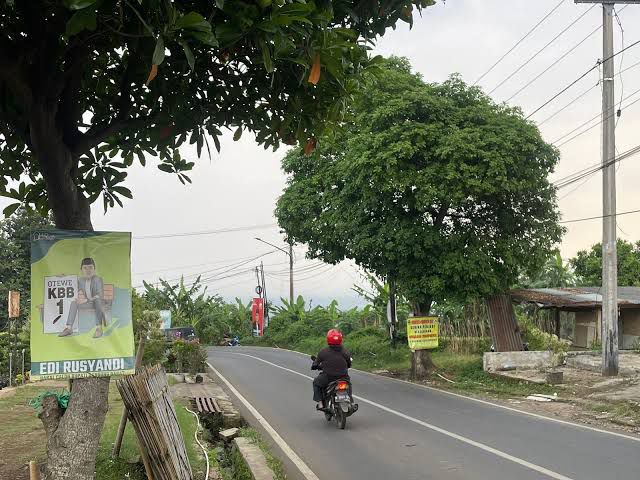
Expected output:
(23, 438)
(618, 410)
(274, 463)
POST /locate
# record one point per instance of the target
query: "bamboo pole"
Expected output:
(34, 473)
(123, 419)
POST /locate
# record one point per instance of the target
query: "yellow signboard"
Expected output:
(422, 333)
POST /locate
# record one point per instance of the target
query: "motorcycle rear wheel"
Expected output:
(341, 418)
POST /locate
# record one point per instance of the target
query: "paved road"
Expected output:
(403, 431)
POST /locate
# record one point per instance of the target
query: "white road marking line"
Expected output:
(293, 456)
(460, 438)
(485, 402)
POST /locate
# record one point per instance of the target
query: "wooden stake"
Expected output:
(123, 420)
(34, 473)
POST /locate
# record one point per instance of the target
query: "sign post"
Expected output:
(422, 334)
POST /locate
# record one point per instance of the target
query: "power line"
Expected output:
(542, 49)
(206, 264)
(593, 169)
(580, 78)
(594, 125)
(600, 216)
(209, 232)
(566, 54)
(519, 42)
(206, 272)
(579, 97)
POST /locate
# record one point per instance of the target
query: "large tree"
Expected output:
(89, 86)
(432, 185)
(587, 265)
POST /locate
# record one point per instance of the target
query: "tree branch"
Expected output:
(70, 107)
(99, 133)
(14, 75)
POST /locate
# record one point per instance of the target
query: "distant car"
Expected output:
(180, 333)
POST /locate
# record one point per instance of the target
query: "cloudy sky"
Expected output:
(240, 186)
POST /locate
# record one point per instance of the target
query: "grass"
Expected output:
(618, 410)
(274, 463)
(23, 438)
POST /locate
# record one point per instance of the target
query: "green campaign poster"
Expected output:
(81, 304)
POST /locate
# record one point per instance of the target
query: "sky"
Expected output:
(240, 186)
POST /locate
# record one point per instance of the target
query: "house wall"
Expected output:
(586, 331)
(630, 327)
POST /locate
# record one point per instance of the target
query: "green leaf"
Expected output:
(124, 191)
(141, 158)
(208, 38)
(220, 4)
(189, 54)
(78, 4)
(237, 135)
(158, 53)
(266, 56)
(8, 211)
(216, 141)
(190, 20)
(166, 167)
(81, 20)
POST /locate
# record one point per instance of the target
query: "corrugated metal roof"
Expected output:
(504, 327)
(577, 297)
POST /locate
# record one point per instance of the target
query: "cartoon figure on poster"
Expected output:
(85, 317)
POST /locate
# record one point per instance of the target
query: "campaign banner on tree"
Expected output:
(81, 304)
(422, 333)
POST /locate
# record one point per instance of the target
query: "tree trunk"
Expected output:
(73, 435)
(421, 362)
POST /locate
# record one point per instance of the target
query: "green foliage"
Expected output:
(15, 259)
(433, 185)
(150, 77)
(554, 274)
(540, 340)
(588, 265)
(186, 356)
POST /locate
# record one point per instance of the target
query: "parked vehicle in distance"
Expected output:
(180, 333)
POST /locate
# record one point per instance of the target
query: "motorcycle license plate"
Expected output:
(342, 397)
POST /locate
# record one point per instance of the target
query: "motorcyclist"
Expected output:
(334, 361)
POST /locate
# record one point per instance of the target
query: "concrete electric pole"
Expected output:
(609, 248)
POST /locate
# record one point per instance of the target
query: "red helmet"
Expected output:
(334, 337)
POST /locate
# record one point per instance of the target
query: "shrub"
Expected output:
(186, 356)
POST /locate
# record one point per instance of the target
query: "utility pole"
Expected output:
(290, 253)
(264, 296)
(609, 248)
(291, 274)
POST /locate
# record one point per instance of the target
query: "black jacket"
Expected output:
(334, 361)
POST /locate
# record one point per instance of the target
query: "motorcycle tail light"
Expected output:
(343, 386)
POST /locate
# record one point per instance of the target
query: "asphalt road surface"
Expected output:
(404, 431)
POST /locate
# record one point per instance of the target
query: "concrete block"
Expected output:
(254, 458)
(229, 434)
(505, 361)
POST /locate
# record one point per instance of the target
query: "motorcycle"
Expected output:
(337, 402)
